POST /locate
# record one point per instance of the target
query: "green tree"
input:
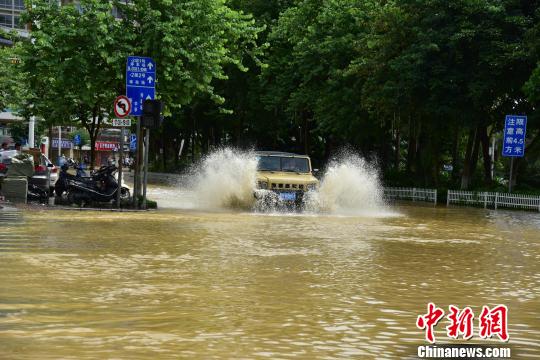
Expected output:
(75, 61)
(192, 42)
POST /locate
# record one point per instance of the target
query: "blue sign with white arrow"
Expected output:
(77, 140)
(515, 129)
(140, 82)
(133, 142)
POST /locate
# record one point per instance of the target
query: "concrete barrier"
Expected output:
(14, 189)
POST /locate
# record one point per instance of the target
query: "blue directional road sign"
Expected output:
(77, 140)
(140, 82)
(515, 128)
(133, 142)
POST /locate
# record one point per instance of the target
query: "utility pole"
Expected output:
(31, 125)
(139, 159)
(136, 174)
(511, 171)
(145, 176)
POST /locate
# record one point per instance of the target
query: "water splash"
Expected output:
(350, 186)
(226, 179)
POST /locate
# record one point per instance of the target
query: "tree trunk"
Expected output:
(397, 155)
(455, 156)
(164, 150)
(93, 131)
(471, 158)
(192, 143)
(205, 137)
(306, 135)
(192, 114)
(92, 149)
(484, 139)
(411, 147)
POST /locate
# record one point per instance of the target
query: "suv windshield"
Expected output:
(276, 163)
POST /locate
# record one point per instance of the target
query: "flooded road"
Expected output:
(192, 284)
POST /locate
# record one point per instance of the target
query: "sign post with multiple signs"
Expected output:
(140, 86)
(515, 129)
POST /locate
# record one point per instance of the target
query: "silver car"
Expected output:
(41, 170)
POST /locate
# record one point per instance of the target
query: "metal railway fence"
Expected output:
(414, 194)
(493, 199)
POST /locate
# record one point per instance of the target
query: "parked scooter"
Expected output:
(102, 186)
(62, 183)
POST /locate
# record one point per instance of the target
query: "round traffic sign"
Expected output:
(122, 106)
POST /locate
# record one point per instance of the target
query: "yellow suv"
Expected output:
(286, 177)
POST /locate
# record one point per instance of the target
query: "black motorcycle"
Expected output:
(63, 177)
(101, 186)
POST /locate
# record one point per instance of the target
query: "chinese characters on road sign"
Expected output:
(491, 322)
(515, 128)
(140, 82)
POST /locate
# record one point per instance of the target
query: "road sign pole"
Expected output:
(137, 173)
(511, 171)
(145, 178)
(120, 162)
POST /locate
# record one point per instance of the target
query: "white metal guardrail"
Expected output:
(414, 194)
(493, 199)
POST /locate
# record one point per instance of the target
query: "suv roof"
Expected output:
(278, 153)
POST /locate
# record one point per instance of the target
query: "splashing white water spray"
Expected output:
(227, 177)
(224, 178)
(350, 186)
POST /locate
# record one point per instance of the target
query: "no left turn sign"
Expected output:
(122, 106)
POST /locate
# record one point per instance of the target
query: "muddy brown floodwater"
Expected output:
(192, 284)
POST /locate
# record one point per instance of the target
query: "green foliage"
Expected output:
(364, 72)
(192, 42)
(19, 131)
(13, 90)
(74, 65)
(414, 84)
